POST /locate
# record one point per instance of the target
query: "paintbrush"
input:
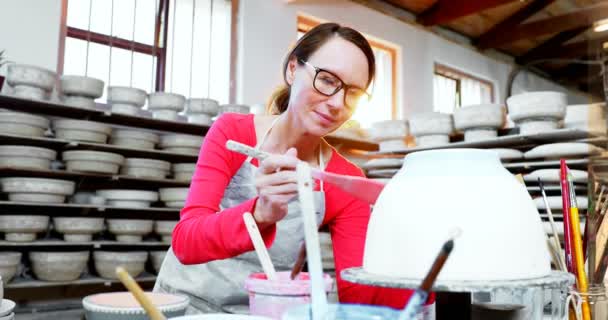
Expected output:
(362, 188)
(567, 224)
(419, 297)
(560, 261)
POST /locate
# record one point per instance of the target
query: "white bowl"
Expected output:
(84, 197)
(92, 161)
(167, 115)
(124, 306)
(164, 228)
(23, 124)
(76, 229)
(107, 261)
(202, 105)
(539, 104)
(157, 259)
(9, 264)
(388, 130)
(431, 123)
(127, 109)
(180, 141)
(23, 228)
(126, 96)
(26, 157)
(538, 125)
(166, 101)
(37, 189)
(58, 266)
(30, 82)
(134, 139)
(79, 102)
(432, 140)
(128, 194)
(81, 130)
(489, 116)
(130, 230)
(562, 150)
(235, 108)
(173, 197)
(183, 150)
(81, 86)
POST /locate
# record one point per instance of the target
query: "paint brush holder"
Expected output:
(597, 297)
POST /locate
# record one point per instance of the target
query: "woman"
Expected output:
(326, 74)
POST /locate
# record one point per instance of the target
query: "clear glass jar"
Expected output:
(597, 298)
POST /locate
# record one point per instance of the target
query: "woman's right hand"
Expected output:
(276, 183)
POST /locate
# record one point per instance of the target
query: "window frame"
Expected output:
(457, 75)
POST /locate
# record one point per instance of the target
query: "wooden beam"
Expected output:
(577, 49)
(444, 11)
(552, 45)
(561, 23)
(485, 40)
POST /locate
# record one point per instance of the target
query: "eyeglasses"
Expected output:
(328, 84)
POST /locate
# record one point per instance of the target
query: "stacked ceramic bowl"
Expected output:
(507, 155)
(157, 258)
(164, 228)
(166, 106)
(130, 230)
(36, 189)
(390, 134)
(22, 228)
(128, 198)
(479, 122)
(588, 117)
(181, 143)
(9, 265)
(124, 306)
(92, 161)
(126, 100)
(202, 111)
(22, 124)
(84, 197)
(134, 139)
(107, 261)
(173, 197)
(77, 229)
(183, 171)
(535, 112)
(80, 130)
(26, 157)
(234, 108)
(30, 82)
(431, 129)
(79, 91)
(146, 168)
(58, 266)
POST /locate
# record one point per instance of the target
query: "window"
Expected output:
(453, 89)
(383, 105)
(180, 46)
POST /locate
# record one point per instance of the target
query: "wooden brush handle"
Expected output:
(139, 294)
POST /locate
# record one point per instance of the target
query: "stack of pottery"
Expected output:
(479, 122)
(9, 265)
(166, 106)
(588, 117)
(37, 189)
(126, 100)
(134, 139)
(80, 130)
(22, 228)
(130, 230)
(390, 134)
(83, 197)
(107, 261)
(92, 161)
(77, 229)
(555, 151)
(146, 168)
(234, 108)
(128, 198)
(58, 266)
(23, 124)
(123, 306)
(431, 129)
(164, 228)
(157, 258)
(553, 176)
(6, 306)
(79, 91)
(26, 157)
(507, 155)
(183, 171)
(181, 143)
(173, 197)
(201, 111)
(30, 82)
(535, 112)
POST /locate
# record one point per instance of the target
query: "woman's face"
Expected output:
(320, 114)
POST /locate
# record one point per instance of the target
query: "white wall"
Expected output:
(267, 28)
(29, 32)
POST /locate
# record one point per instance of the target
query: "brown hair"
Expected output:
(311, 42)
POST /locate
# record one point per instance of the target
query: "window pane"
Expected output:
(78, 14)
(75, 57)
(445, 94)
(381, 105)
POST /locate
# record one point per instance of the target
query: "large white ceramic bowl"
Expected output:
(58, 266)
(36, 189)
(107, 261)
(81, 130)
(123, 306)
(538, 104)
(78, 229)
(126, 96)
(388, 130)
(166, 101)
(130, 230)
(9, 265)
(23, 124)
(92, 161)
(235, 108)
(431, 123)
(180, 140)
(164, 228)
(470, 191)
(26, 157)
(136, 139)
(202, 105)
(173, 197)
(183, 171)
(30, 82)
(81, 86)
(157, 258)
(128, 197)
(479, 121)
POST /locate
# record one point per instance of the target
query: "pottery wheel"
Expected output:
(555, 280)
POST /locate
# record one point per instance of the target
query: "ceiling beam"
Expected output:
(550, 46)
(485, 40)
(444, 11)
(577, 49)
(556, 24)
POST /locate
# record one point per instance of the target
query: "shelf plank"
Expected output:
(87, 210)
(21, 283)
(532, 165)
(63, 245)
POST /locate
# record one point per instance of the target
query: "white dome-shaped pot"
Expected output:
(166, 101)
(76, 229)
(589, 117)
(9, 263)
(23, 124)
(183, 171)
(30, 82)
(431, 128)
(135, 139)
(80, 86)
(81, 130)
(471, 192)
(202, 105)
(107, 261)
(130, 230)
(480, 121)
(180, 141)
(92, 161)
(26, 157)
(22, 228)
(538, 104)
(164, 228)
(128, 198)
(148, 168)
(173, 197)
(388, 130)
(58, 266)
(37, 189)
(127, 96)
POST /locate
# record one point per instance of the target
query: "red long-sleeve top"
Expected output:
(204, 233)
